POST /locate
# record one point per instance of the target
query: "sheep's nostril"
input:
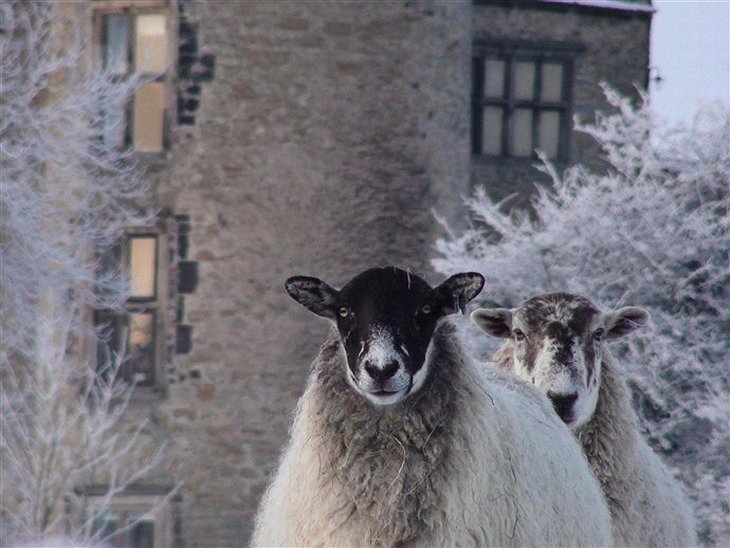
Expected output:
(381, 373)
(563, 404)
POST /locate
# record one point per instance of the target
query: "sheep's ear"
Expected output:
(495, 321)
(313, 294)
(457, 291)
(625, 320)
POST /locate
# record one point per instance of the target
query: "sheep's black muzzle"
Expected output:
(563, 405)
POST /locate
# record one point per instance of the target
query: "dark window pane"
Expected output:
(111, 327)
(141, 358)
(103, 528)
(115, 126)
(116, 43)
(142, 534)
(108, 260)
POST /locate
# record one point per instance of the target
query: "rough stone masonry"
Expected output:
(317, 138)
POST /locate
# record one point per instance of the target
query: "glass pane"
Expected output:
(142, 534)
(522, 132)
(149, 108)
(524, 80)
(111, 328)
(549, 133)
(114, 124)
(493, 78)
(141, 357)
(103, 527)
(142, 254)
(116, 43)
(109, 261)
(150, 49)
(141, 330)
(492, 131)
(552, 82)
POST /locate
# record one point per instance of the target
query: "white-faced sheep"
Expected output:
(399, 440)
(556, 342)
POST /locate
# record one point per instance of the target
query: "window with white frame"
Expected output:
(521, 100)
(126, 527)
(135, 333)
(140, 517)
(137, 42)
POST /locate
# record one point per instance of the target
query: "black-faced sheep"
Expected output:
(556, 341)
(399, 440)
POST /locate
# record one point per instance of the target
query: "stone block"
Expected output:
(187, 280)
(208, 61)
(186, 120)
(201, 75)
(205, 392)
(183, 339)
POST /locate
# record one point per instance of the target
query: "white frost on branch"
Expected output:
(651, 230)
(65, 193)
(65, 196)
(64, 428)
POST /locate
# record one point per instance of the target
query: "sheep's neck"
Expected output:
(387, 462)
(611, 436)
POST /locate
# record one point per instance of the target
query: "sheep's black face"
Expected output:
(557, 345)
(386, 317)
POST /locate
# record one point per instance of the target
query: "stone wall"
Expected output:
(316, 138)
(319, 146)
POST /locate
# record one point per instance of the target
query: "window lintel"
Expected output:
(134, 490)
(128, 6)
(530, 48)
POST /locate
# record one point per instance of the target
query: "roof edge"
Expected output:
(608, 8)
(620, 5)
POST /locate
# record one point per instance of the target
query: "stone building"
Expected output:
(315, 138)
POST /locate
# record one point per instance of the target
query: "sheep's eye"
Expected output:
(345, 312)
(518, 335)
(426, 309)
(598, 334)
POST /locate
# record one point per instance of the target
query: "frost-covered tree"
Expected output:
(66, 195)
(64, 429)
(651, 229)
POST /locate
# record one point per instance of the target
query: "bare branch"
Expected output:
(66, 194)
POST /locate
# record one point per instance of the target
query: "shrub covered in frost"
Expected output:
(65, 192)
(650, 230)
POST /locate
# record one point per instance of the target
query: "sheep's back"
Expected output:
(472, 459)
(537, 487)
(647, 504)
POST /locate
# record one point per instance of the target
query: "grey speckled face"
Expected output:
(557, 343)
(386, 317)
